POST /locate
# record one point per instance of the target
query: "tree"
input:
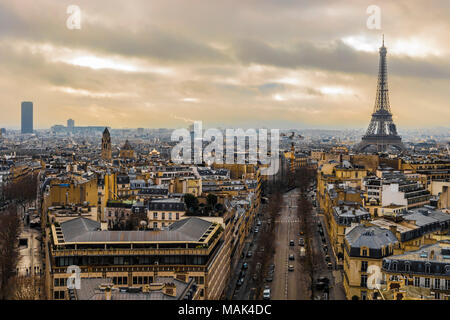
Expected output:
(191, 202)
(9, 251)
(211, 200)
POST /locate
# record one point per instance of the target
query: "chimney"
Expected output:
(393, 229)
(108, 293)
(170, 289)
(366, 223)
(104, 225)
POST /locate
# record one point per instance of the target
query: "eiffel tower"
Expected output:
(382, 131)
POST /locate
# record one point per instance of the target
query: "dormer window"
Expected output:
(364, 252)
(427, 267)
(407, 266)
(394, 266)
(447, 269)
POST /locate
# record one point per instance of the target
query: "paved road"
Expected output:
(288, 285)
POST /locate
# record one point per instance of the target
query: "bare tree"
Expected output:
(28, 288)
(9, 251)
(22, 190)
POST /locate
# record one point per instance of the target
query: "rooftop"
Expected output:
(88, 231)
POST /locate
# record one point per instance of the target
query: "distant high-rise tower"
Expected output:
(382, 131)
(27, 117)
(70, 123)
(106, 145)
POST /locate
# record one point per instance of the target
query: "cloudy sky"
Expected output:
(244, 63)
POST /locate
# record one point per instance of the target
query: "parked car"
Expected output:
(330, 265)
(291, 243)
(269, 278)
(291, 257)
(266, 294)
(256, 230)
(327, 258)
(272, 267)
(259, 223)
(240, 282)
(249, 254)
(301, 242)
(245, 266)
(291, 267)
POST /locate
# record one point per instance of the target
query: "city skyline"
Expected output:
(275, 65)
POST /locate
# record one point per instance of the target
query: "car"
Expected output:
(301, 242)
(255, 277)
(266, 294)
(291, 267)
(321, 285)
(291, 257)
(242, 274)
(259, 223)
(323, 279)
(291, 243)
(240, 282)
(249, 254)
(256, 230)
(245, 266)
(269, 278)
(272, 267)
(330, 265)
(302, 233)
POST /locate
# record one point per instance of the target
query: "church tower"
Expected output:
(106, 145)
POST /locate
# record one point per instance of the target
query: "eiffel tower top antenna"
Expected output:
(382, 96)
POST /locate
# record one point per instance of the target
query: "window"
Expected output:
(155, 225)
(363, 281)
(364, 252)
(437, 295)
(155, 215)
(447, 284)
(170, 215)
(437, 283)
(177, 216)
(363, 295)
(59, 294)
(427, 282)
(417, 281)
(427, 268)
(163, 216)
(364, 265)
